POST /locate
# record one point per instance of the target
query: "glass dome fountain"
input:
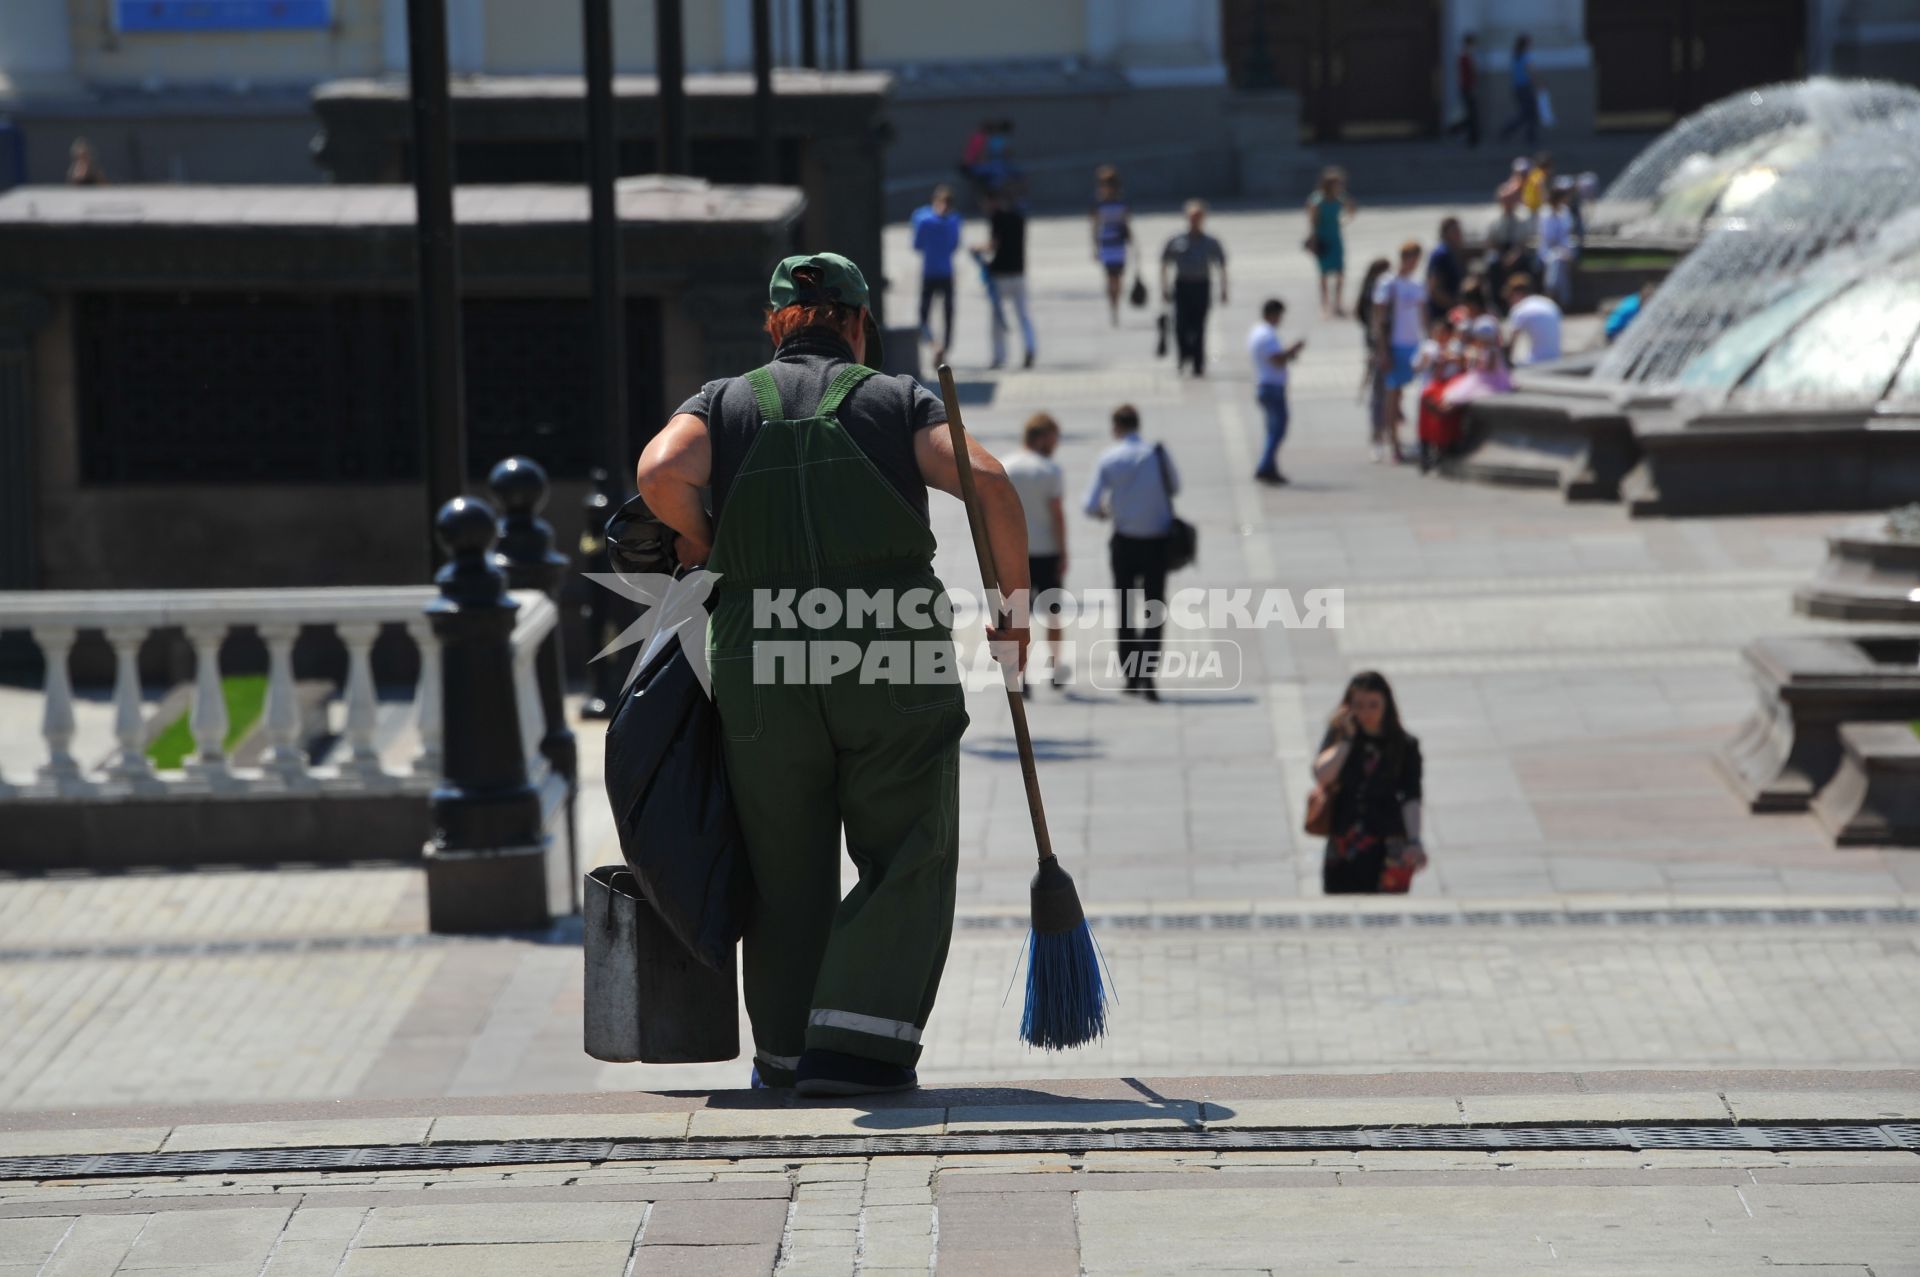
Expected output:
(1721, 160)
(1776, 368)
(1824, 254)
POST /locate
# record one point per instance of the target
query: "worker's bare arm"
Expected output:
(673, 469)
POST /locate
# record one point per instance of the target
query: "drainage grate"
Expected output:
(1172, 1139)
(567, 931)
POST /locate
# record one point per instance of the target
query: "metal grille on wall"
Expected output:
(291, 388)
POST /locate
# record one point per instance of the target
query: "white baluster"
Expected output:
(130, 763)
(426, 699)
(526, 689)
(285, 761)
(363, 760)
(61, 770)
(208, 720)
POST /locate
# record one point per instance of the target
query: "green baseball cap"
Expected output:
(811, 278)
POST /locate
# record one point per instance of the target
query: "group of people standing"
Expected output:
(1437, 320)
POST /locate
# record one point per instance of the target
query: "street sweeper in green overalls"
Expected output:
(834, 674)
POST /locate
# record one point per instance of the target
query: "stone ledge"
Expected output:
(1764, 1100)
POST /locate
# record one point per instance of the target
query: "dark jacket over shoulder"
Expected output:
(1375, 781)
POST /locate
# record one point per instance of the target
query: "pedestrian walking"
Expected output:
(1466, 82)
(1038, 479)
(1368, 772)
(1191, 257)
(936, 237)
(1133, 486)
(1399, 319)
(1006, 268)
(838, 990)
(1112, 236)
(1526, 97)
(1271, 355)
(1534, 317)
(1327, 208)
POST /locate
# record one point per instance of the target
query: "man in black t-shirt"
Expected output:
(1005, 262)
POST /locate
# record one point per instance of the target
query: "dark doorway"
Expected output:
(1656, 60)
(1363, 68)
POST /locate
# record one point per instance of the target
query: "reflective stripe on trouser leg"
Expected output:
(853, 1021)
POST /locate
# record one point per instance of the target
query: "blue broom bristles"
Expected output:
(1066, 998)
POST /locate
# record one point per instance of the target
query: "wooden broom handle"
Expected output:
(983, 550)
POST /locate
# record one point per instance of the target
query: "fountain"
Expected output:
(1773, 371)
(1713, 165)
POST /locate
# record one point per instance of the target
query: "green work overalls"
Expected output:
(808, 510)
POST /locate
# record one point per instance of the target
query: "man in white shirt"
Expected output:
(1270, 359)
(1557, 246)
(1037, 478)
(1534, 317)
(1399, 319)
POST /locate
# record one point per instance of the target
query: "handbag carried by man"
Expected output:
(1183, 539)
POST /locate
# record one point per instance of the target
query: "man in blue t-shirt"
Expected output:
(936, 237)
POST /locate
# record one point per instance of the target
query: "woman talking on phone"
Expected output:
(1369, 768)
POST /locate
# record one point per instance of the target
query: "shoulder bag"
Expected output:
(1183, 539)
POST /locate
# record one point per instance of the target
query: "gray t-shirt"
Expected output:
(1194, 254)
(881, 417)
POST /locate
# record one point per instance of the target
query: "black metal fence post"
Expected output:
(768, 159)
(486, 860)
(527, 556)
(609, 315)
(443, 443)
(670, 64)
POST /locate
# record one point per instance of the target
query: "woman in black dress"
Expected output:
(1373, 843)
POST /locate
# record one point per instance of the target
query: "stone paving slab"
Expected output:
(1172, 1106)
(1732, 1210)
(493, 1127)
(403, 1130)
(1327, 991)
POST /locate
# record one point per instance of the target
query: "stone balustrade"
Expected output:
(56, 619)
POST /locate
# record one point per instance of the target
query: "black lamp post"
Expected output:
(443, 442)
(603, 161)
(670, 60)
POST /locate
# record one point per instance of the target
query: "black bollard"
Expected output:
(604, 612)
(527, 556)
(487, 858)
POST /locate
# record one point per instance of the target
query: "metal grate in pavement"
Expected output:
(567, 930)
(1823, 1136)
(1741, 916)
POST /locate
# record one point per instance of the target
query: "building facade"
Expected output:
(204, 90)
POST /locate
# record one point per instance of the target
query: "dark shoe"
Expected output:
(1280, 478)
(1029, 360)
(1150, 692)
(1268, 476)
(836, 1073)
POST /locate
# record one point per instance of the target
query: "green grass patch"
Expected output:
(246, 698)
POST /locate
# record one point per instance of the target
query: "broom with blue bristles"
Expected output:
(1066, 999)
